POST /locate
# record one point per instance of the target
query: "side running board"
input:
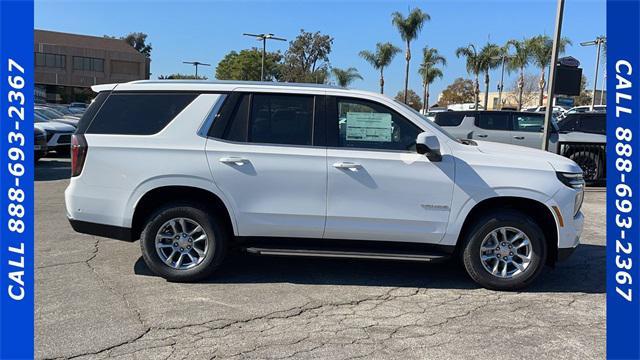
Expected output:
(402, 256)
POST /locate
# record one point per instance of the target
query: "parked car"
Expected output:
(62, 111)
(525, 129)
(58, 134)
(584, 109)
(51, 115)
(431, 113)
(195, 168)
(77, 107)
(557, 110)
(583, 139)
(39, 142)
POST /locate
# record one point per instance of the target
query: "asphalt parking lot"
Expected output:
(95, 299)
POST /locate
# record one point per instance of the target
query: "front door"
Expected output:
(379, 188)
(266, 164)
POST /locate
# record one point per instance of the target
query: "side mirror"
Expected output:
(428, 145)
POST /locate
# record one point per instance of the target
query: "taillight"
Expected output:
(79, 149)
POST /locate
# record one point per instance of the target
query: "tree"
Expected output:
(518, 62)
(412, 99)
(474, 67)
(345, 77)
(585, 97)
(429, 72)
(489, 59)
(409, 28)
(307, 59)
(246, 65)
(181, 76)
(459, 92)
(541, 47)
(138, 40)
(526, 88)
(385, 52)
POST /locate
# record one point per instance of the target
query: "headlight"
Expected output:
(574, 181)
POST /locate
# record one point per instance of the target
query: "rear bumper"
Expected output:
(108, 231)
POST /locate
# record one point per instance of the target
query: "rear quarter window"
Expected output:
(449, 118)
(138, 113)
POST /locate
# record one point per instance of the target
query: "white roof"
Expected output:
(205, 85)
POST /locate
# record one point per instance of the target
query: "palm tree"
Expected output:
(409, 28)
(430, 57)
(541, 47)
(518, 62)
(489, 59)
(345, 77)
(474, 66)
(385, 52)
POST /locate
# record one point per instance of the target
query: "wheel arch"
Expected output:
(537, 210)
(157, 196)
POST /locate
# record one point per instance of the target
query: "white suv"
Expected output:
(193, 169)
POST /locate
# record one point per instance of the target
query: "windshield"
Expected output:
(423, 118)
(44, 114)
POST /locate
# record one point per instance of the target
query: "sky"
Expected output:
(207, 30)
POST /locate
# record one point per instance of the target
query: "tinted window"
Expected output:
(281, 119)
(237, 130)
(449, 118)
(493, 121)
(528, 122)
(367, 125)
(570, 123)
(593, 124)
(138, 114)
(93, 108)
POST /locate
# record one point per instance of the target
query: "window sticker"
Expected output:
(368, 126)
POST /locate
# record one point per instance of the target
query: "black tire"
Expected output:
(217, 240)
(591, 164)
(482, 228)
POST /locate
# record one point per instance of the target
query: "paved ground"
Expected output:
(97, 299)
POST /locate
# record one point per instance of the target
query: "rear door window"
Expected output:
(528, 122)
(493, 121)
(449, 118)
(138, 113)
(281, 119)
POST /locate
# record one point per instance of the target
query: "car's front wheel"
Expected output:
(183, 242)
(504, 251)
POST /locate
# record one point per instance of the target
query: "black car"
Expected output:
(593, 123)
(39, 143)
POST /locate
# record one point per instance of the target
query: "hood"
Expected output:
(68, 121)
(526, 155)
(55, 126)
(582, 137)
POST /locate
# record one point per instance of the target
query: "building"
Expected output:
(67, 65)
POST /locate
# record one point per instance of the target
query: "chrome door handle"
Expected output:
(483, 136)
(519, 137)
(347, 165)
(234, 160)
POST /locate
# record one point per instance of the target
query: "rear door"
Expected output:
(527, 129)
(264, 157)
(493, 126)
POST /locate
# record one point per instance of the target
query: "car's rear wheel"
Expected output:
(504, 251)
(183, 242)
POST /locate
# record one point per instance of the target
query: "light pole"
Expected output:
(196, 64)
(552, 75)
(504, 57)
(597, 42)
(264, 38)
